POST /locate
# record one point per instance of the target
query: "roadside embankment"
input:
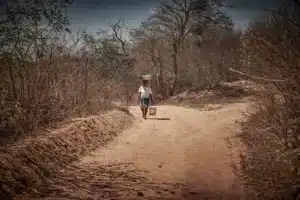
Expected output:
(26, 165)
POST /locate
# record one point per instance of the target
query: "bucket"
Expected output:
(152, 110)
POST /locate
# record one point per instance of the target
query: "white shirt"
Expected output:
(145, 91)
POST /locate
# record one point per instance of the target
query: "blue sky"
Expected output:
(94, 14)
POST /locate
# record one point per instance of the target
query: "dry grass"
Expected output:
(26, 165)
(268, 169)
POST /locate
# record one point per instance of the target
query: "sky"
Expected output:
(95, 14)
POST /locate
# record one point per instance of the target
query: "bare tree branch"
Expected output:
(117, 30)
(256, 77)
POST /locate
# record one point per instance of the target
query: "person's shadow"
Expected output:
(159, 118)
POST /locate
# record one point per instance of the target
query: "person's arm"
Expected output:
(139, 94)
(151, 99)
(150, 95)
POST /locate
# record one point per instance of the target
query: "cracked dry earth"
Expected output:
(179, 154)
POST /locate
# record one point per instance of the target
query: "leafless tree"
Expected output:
(177, 19)
(49, 73)
(118, 34)
(150, 45)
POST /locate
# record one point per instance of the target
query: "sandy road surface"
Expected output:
(184, 157)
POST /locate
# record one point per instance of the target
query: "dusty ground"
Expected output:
(179, 154)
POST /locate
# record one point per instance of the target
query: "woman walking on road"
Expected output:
(145, 97)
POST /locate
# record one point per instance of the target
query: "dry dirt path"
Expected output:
(184, 157)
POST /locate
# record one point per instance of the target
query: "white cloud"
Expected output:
(151, 11)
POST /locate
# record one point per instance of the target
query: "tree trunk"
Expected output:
(160, 77)
(175, 71)
(158, 70)
(12, 79)
(85, 83)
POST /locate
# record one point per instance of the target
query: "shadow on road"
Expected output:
(159, 118)
(119, 182)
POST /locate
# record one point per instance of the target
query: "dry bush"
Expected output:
(210, 58)
(271, 55)
(50, 74)
(48, 91)
(28, 52)
(268, 167)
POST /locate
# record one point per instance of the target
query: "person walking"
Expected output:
(145, 97)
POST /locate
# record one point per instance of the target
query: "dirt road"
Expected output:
(179, 154)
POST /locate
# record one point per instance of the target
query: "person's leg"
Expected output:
(146, 106)
(146, 111)
(142, 109)
(143, 105)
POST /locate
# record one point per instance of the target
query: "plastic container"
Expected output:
(152, 110)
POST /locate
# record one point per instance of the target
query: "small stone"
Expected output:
(160, 165)
(192, 193)
(140, 194)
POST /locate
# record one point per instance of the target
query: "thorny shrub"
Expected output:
(271, 51)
